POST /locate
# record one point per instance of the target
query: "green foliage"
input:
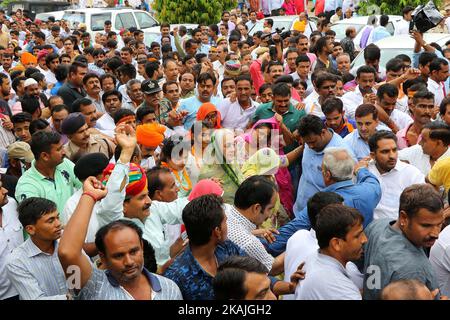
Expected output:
(390, 6)
(191, 11)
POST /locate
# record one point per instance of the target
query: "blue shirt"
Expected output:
(192, 105)
(311, 180)
(363, 196)
(358, 145)
(56, 87)
(380, 33)
(194, 282)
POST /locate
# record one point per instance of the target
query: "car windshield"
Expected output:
(74, 17)
(98, 21)
(386, 55)
(341, 27)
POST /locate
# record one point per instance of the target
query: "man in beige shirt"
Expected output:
(81, 141)
(4, 34)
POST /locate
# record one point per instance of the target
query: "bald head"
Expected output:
(406, 290)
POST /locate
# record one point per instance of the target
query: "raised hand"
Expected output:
(126, 136)
(95, 187)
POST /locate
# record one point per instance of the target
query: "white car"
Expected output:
(402, 44)
(45, 15)
(95, 18)
(286, 22)
(358, 23)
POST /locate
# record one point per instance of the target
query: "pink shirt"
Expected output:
(256, 75)
(402, 141)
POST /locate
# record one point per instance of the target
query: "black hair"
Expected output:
(426, 58)
(439, 131)
(50, 57)
(122, 113)
(384, 19)
(37, 125)
(107, 76)
(201, 216)
(141, 112)
(115, 225)
(366, 69)
(151, 68)
(366, 109)
(423, 94)
(281, 90)
(111, 93)
(228, 284)
(75, 65)
(42, 142)
(380, 135)
(30, 104)
(90, 165)
(394, 65)
(169, 144)
(32, 209)
(332, 104)
(149, 257)
(319, 201)
(264, 87)
(324, 76)
(127, 70)
(435, 65)
(205, 76)
(372, 52)
(335, 221)
(254, 190)
(78, 103)
(21, 117)
(310, 124)
(16, 82)
(89, 76)
(153, 180)
(387, 89)
(420, 196)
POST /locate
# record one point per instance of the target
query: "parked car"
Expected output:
(286, 22)
(401, 44)
(358, 23)
(121, 18)
(45, 15)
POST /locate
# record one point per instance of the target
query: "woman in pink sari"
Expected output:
(301, 5)
(289, 7)
(262, 130)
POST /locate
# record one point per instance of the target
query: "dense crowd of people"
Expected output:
(215, 164)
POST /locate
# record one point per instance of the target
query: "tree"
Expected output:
(191, 11)
(370, 7)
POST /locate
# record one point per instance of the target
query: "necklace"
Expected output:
(177, 177)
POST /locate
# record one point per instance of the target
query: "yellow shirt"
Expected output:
(299, 26)
(440, 174)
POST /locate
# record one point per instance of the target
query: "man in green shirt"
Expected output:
(288, 118)
(51, 174)
(286, 114)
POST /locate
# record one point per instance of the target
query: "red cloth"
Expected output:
(257, 75)
(204, 187)
(320, 7)
(301, 5)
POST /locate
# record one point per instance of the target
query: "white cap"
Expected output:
(29, 82)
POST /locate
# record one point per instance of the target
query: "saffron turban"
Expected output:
(150, 135)
(137, 180)
(27, 58)
(206, 109)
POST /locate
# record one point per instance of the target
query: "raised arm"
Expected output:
(71, 244)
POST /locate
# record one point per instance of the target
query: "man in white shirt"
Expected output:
(11, 236)
(253, 204)
(436, 82)
(236, 114)
(440, 261)
(386, 102)
(303, 243)
(302, 73)
(252, 16)
(325, 85)
(365, 78)
(433, 147)
(340, 236)
(402, 27)
(394, 175)
(112, 100)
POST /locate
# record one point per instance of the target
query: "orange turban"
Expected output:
(150, 135)
(206, 109)
(27, 58)
(137, 179)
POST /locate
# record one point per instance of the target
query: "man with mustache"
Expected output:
(422, 112)
(394, 175)
(120, 245)
(33, 267)
(81, 141)
(92, 85)
(396, 247)
(112, 100)
(340, 238)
